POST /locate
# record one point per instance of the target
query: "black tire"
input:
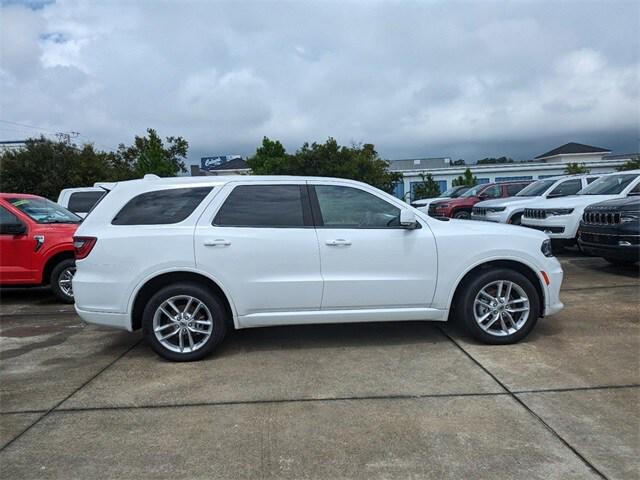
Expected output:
(624, 262)
(464, 306)
(212, 303)
(462, 215)
(60, 272)
(516, 219)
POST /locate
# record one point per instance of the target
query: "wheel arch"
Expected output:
(151, 285)
(516, 265)
(51, 263)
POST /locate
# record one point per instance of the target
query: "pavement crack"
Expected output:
(526, 407)
(48, 412)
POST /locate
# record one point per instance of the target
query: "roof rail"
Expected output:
(151, 176)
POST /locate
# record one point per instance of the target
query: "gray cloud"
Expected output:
(434, 78)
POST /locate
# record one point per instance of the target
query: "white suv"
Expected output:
(510, 209)
(187, 258)
(560, 217)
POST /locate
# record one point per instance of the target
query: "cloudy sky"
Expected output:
(422, 78)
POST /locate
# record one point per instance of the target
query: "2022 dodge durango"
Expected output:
(185, 259)
(560, 217)
(510, 209)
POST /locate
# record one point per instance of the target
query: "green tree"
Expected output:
(44, 167)
(632, 164)
(467, 179)
(492, 160)
(329, 159)
(148, 154)
(427, 188)
(575, 168)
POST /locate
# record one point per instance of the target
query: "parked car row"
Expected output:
(557, 206)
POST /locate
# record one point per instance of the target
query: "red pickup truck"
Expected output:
(461, 207)
(36, 243)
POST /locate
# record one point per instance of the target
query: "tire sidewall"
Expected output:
(462, 215)
(466, 305)
(55, 278)
(210, 300)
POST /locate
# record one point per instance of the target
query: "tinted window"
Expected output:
(42, 210)
(635, 190)
(347, 207)
(161, 207)
(492, 192)
(570, 187)
(536, 189)
(514, 188)
(8, 218)
(83, 201)
(591, 179)
(609, 184)
(264, 206)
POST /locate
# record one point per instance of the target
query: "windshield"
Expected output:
(609, 185)
(535, 189)
(474, 191)
(454, 192)
(42, 210)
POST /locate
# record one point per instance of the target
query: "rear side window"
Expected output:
(515, 188)
(274, 206)
(161, 207)
(83, 202)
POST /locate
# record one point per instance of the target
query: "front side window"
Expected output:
(491, 192)
(535, 189)
(161, 207)
(7, 218)
(276, 206)
(42, 210)
(514, 188)
(83, 202)
(569, 187)
(610, 184)
(348, 207)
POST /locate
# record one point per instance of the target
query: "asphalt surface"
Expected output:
(364, 401)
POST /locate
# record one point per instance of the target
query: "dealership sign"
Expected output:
(209, 163)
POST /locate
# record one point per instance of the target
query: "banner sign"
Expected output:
(209, 163)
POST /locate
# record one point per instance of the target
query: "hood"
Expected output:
(625, 204)
(58, 228)
(491, 228)
(572, 201)
(511, 201)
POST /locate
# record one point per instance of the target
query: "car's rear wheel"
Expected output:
(60, 280)
(498, 306)
(184, 322)
(462, 215)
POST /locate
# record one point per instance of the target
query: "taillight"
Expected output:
(82, 246)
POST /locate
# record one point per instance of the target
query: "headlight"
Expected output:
(559, 211)
(496, 209)
(441, 205)
(546, 248)
(629, 217)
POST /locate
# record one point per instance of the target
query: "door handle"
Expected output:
(218, 242)
(340, 242)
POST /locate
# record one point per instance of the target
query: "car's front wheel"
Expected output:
(184, 322)
(462, 215)
(498, 306)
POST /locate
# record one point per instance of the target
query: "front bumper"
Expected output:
(556, 227)
(495, 217)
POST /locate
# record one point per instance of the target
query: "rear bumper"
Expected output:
(112, 320)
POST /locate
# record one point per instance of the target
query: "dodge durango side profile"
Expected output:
(186, 259)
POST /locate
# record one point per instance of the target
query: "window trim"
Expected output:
(307, 212)
(317, 213)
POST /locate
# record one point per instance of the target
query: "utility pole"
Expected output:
(65, 137)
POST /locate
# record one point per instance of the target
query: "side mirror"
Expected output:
(13, 228)
(408, 219)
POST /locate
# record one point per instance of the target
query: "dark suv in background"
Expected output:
(461, 207)
(611, 229)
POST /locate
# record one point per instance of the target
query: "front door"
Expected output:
(258, 241)
(367, 259)
(16, 252)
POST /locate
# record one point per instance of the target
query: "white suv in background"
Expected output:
(510, 209)
(560, 217)
(187, 258)
(81, 200)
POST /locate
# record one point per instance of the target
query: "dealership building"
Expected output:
(549, 164)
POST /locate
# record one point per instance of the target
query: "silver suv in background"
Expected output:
(510, 209)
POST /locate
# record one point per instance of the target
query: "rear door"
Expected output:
(258, 241)
(16, 251)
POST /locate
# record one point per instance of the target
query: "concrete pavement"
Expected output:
(392, 400)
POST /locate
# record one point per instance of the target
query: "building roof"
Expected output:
(418, 163)
(573, 148)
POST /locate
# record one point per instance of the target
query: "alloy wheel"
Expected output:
(65, 281)
(182, 324)
(501, 308)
